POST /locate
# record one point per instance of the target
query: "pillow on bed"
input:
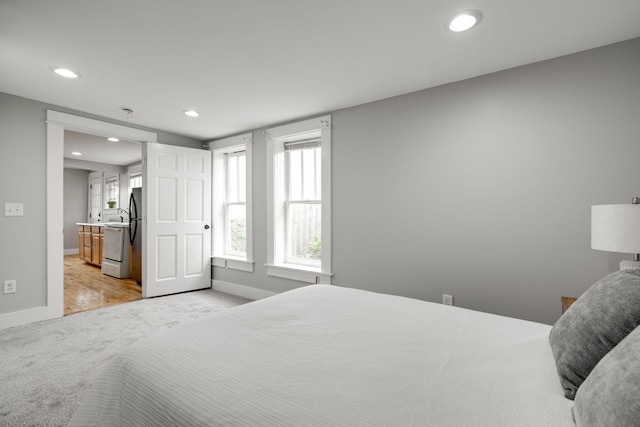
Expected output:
(602, 317)
(610, 396)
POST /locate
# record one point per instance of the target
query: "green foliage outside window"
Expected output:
(239, 235)
(315, 249)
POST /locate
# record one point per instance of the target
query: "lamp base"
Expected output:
(629, 265)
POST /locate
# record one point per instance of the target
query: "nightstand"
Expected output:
(566, 303)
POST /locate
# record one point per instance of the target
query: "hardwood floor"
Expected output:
(86, 288)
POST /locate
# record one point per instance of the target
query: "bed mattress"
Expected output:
(330, 356)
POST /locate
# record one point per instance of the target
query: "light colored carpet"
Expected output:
(46, 367)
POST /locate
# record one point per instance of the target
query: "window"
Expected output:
(135, 181)
(135, 176)
(232, 231)
(111, 189)
(303, 202)
(235, 206)
(299, 186)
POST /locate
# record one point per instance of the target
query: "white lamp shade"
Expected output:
(616, 228)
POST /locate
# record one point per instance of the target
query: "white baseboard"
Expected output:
(241, 290)
(71, 251)
(23, 317)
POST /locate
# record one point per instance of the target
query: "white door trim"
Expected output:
(57, 123)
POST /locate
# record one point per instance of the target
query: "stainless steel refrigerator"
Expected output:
(135, 233)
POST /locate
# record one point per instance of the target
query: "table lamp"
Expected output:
(616, 228)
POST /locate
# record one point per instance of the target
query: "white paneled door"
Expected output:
(177, 208)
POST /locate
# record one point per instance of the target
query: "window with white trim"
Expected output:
(111, 188)
(135, 181)
(299, 186)
(235, 206)
(232, 225)
(303, 202)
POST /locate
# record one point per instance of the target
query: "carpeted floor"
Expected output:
(46, 367)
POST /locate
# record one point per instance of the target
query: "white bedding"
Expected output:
(330, 356)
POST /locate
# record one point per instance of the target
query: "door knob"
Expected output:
(206, 226)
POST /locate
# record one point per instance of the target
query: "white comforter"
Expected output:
(330, 356)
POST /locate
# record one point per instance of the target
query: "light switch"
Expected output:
(13, 209)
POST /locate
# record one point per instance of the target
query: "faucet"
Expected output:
(124, 211)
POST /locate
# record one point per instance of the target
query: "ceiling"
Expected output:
(97, 149)
(244, 64)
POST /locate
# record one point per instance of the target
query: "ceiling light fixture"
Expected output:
(113, 139)
(128, 112)
(76, 153)
(65, 72)
(191, 113)
(465, 21)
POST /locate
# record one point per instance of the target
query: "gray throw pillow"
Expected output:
(610, 396)
(602, 317)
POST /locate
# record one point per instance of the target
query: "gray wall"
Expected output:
(76, 192)
(482, 188)
(22, 179)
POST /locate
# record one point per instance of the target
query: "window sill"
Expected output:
(299, 273)
(231, 263)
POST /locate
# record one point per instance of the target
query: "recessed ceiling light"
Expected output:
(65, 72)
(76, 153)
(191, 113)
(465, 21)
(113, 139)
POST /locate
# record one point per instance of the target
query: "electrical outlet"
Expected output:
(447, 299)
(13, 209)
(9, 286)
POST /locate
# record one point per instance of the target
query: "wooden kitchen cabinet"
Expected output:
(81, 241)
(96, 250)
(86, 239)
(90, 243)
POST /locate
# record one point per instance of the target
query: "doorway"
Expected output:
(98, 173)
(57, 123)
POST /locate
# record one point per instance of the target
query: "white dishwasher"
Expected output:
(115, 251)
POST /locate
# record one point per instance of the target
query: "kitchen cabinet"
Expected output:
(97, 241)
(90, 243)
(84, 242)
(81, 246)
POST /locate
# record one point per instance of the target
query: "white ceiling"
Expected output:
(244, 64)
(97, 149)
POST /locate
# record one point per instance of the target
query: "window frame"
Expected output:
(277, 137)
(289, 200)
(111, 190)
(135, 181)
(228, 204)
(220, 257)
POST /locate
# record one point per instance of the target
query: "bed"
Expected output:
(325, 355)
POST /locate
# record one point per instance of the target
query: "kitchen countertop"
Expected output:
(105, 224)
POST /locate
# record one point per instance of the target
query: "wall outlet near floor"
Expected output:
(9, 286)
(447, 299)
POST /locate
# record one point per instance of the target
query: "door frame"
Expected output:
(57, 122)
